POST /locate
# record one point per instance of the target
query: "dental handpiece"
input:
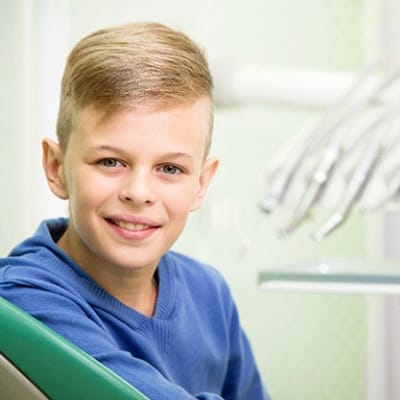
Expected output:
(313, 191)
(353, 191)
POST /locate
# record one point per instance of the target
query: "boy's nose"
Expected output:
(137, 188)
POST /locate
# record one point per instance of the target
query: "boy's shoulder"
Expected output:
(191, 265)
(37, 259)
(194, 271)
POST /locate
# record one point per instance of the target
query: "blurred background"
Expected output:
(317, 344)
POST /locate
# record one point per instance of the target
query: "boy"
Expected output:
(134, 131)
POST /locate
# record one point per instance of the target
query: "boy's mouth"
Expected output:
(130, 226)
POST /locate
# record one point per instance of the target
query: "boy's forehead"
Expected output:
(93, 115)
(92, 118)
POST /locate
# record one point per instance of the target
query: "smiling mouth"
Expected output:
(130, 226)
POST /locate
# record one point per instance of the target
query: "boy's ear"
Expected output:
(209, 169)
(53, 168)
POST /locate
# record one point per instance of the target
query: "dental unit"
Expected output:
(330, 121)
(332, 135)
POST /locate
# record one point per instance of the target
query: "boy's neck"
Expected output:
(137, 290)
(143, 300)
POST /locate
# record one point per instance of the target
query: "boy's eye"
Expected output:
(110, 163)
(171, 169)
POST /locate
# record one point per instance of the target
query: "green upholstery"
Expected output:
(57, 367)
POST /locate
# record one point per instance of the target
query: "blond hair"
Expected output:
(129, 65)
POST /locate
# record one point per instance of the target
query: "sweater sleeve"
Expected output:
(69, 319)
(243, 380)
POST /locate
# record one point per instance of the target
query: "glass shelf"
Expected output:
(334, 276)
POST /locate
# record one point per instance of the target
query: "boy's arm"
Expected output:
(69, 320)
(243, 379)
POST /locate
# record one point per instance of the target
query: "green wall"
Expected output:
(308, 346)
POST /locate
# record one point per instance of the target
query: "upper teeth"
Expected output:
(131, 226)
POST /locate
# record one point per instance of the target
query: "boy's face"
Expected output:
(131, 179)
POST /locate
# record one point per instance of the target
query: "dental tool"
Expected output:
(282, 180)
(323, 173)
(383, 142)
(327, 125)
(388, 178)
(392, 192)
(353, 191)
(319, 178)
(281, 183)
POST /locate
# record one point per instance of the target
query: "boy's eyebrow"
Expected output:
(107, 147)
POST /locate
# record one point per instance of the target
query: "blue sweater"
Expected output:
(192, 348)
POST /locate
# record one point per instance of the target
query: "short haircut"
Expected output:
(130, 65)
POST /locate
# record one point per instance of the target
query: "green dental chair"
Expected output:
(38, 364)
